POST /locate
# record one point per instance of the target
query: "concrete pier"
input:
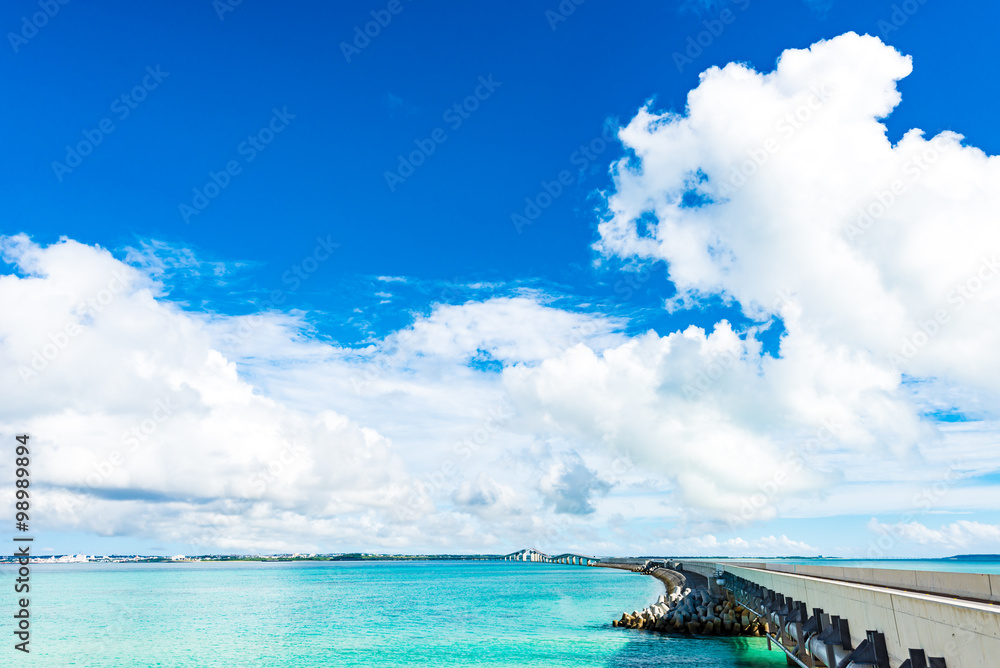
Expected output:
(828, 615)
(954, 617)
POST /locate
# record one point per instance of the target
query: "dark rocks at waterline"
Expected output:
(694, 613)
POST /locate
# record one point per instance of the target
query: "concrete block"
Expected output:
(967, 585)
(966, 635)
(887, 577)
(865, 575)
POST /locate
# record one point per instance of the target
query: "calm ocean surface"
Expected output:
(328, 614)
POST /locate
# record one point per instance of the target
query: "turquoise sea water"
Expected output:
(310, 614)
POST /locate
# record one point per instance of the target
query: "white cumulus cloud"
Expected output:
(781, 192)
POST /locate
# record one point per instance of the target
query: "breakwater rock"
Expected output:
(692, 612)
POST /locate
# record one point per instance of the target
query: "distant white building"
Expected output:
(71, 559)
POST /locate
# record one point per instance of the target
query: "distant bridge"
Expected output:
(531, 554)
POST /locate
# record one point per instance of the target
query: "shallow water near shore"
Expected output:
(312, 614)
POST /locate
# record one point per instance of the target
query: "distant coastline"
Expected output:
(215, 558)
(372, 556)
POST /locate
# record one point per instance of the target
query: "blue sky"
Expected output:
(325, 174)
(364, 264)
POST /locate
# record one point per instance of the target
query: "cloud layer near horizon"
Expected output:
(510, 421)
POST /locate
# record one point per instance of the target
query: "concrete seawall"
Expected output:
(835, 616)
(670, 579)
(950, 615)
(975, 586)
